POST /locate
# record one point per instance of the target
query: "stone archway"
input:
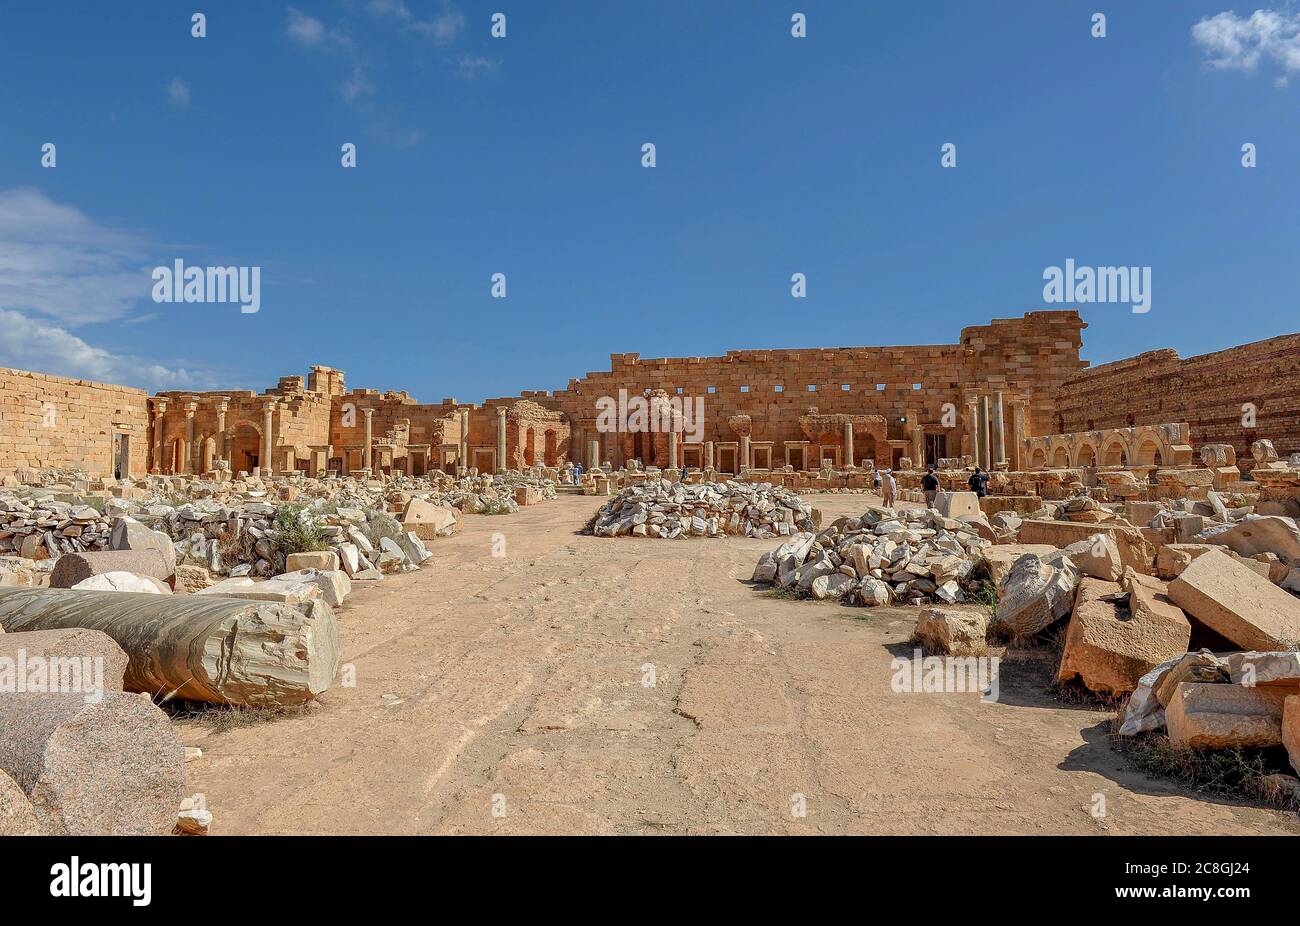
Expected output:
(1148, 453)
(245, 448)
(1114, 454)
(1060, 458)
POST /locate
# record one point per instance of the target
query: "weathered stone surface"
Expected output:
(1291, 729)
(1134, 550)
(130, 534)
(293, 593)
(958, 504)
(1232, 600)
(1110, 645)
(944, 630)
(1144, 712)
(326, 560)
(1173, 558)
(1097, 556)
(108, 768)
(1000, 558)
(72, 643)
(428, 520)
(1271, 669)
(72, 568)
(414, 548)
(1210, 716)
(197, 647)
(123, 582)
(17, 815)
(1036, 593)
(1258, 534)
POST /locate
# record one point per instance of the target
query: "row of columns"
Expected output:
(188, 461)
(988, 429)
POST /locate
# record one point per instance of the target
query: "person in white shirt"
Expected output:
(887, 488)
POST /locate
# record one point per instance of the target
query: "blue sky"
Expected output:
(522, 156)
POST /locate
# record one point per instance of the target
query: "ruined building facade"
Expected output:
(992, 397)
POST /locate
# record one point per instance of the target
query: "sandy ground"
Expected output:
(586, 685)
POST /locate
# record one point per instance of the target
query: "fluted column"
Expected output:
(1018, 435)
(501, 439)
(672, 449)
(189, 464)
(708, 454)
(745, 462)
(973, 426)
(221, 430)
(268, 422)
(464, 438)
(848, 460)
(986, 450)
(918, 444)
(999, 432)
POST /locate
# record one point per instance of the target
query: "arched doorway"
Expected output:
(1060, 458)
(530, 447)
(1087, 456)
(1114, 455)
(245, 447)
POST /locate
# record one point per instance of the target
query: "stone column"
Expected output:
(848, 460)
(593, 455)
(672, 450)
(973, 427)
(159, 435)
(1018, 409)
(464, 439)
(221, 430)
(918, 445)
(501, 438)
(999, 432)
(745, 462)
(190, 465)
(367, 452)
(265, 464)
(708, 454)
(986, 448)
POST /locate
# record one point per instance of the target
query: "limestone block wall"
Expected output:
(1207, 391)
(49, 421)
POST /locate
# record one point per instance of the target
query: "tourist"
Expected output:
(887, 488)
(930, 483)
(577, 473)
(979, 482)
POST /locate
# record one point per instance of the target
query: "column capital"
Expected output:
(191, 408)
(367, 412)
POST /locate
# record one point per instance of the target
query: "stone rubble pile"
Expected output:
(660, 508)
(883, 557)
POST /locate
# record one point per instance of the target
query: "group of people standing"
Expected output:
(888, 487)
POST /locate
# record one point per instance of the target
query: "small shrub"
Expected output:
(380, 525)
(295, 530)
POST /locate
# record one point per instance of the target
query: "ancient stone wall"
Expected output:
(48, 421)
(1207, 391)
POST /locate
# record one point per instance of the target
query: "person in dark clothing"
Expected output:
(930, 485)
(979, 482)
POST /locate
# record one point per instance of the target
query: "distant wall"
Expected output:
(48, 421)
(1206, 391)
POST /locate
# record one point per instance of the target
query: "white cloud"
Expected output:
(471, 66)
(57, 261)
(356, 86)
(310, 32)
(1240, 43)
(178, 92)
(31, 344)
(442, 28)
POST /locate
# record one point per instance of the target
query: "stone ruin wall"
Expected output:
(48, 421)
(1206, 391)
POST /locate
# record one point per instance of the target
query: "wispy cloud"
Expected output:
(310, 32)
(471, 66)
(356, 86)
(57, 261)
(31, 344)
(1241, 43)
(178, 93)
(443, 28)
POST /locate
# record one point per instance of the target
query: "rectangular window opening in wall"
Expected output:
(916, 387)
(812, 387)
(681, 390)
(880, 387)
(779, 388)
(846, 387)
(744, 389)
(712, 389)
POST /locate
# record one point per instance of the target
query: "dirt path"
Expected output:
(521, 684)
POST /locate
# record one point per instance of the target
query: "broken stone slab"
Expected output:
(832, 586)
(197, 647)
(1144, 713)
(959, 633)
(1203, 667)
(1173, 558)
(765, 570)
(290, 593)
(1036, 593)
(333, 584)
(1258, 534)
(123, 582)
(17, 815)
(1110, 646)
(1237, 603)
(326, 560)
(110, 768)
(130, 534)
(72, 568)
(958, 504)
(1097, 556)
(87, 660)
(414, 548)
(428, 520)
(1210, 716)
(1000, 558)
(1272, 669)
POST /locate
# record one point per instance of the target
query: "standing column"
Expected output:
(593, 455)
(999, 432)
(849, 462)
(221, 430)
(986, 451)
(159, 434)
(188, 452)
(744, 453)
(708, 454)
(464, 438)
(672, 449)
(1018, 432)
(501, 438)
(367, 452)
(265, 464)
(918, 445)
(973, 426)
